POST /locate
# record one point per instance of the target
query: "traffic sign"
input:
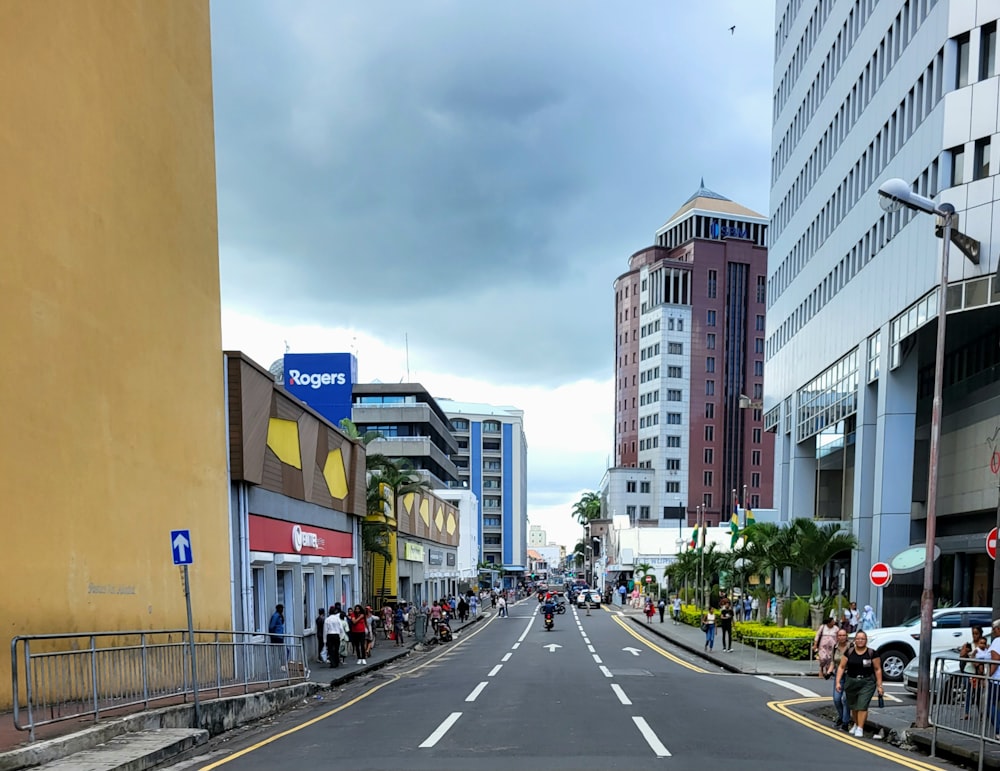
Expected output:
(649, 579)
(880, 574)
(991, 544)
(180, 545)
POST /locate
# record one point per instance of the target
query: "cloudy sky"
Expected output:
(449, 188)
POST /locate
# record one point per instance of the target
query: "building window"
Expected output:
(981, 166)
(957, 165)
(644, 487)
(758, 368)
(675, 348)
(644, 512)
(760, 322)
(706, 501)
(710, 341)
(674, 418)
(761, 288)
(675, 372)
(755, 501)
(630, 486)
(630, 511)
(758, 345)
(709, 388)
(710, 318)
(710, 364)
(709, 410)
(680, 325)
(673, 394)
(756, 436)
(673, 464)
(962, 62)
(670, 325)
(755, 480)
(672, 487)
(988, 51)
(709, 455)
(706, 478)
(755, 457)
(673, 441)
(713, 279)
(709, 433)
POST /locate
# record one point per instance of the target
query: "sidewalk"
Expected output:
(124, 737)
(895, 720)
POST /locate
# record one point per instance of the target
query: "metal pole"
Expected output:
(194, 663)
(927, 595)
(996, 562)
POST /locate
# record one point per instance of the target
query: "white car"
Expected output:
(898, 645)
(589, 597)
(951, 664)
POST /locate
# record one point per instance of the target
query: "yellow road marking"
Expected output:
(658, 649)
(342, 707)
(784, 708)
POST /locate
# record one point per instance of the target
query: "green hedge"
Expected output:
(792, 642)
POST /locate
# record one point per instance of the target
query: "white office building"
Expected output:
(865, 91)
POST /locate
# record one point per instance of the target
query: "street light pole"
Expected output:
(896, 193)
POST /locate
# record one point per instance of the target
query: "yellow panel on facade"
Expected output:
(451, 524)
(283, 439)
(425, 511)
(439, 518)
(408, 503)
(335, 474)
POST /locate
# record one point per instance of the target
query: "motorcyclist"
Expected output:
(549, 609)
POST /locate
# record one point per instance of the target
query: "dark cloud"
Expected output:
(475, 174)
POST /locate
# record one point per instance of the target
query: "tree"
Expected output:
(587, 508)
(642, 569)
(768, 547)
(813, 546)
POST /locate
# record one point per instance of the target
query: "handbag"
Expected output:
(345, 647)
(881, 701)
(704, 626)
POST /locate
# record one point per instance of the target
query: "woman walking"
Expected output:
(823, 643)
(843, 719)
(357, 626)
(860, 677)
(708, 626)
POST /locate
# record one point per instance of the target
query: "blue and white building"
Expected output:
(492, 462)
(865, 91)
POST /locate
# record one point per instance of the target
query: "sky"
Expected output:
(449, 189)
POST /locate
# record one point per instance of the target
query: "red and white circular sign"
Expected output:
(649, 579)
(991, 544)
(880, 574)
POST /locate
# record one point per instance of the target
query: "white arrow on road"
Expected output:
(181, 544)
(633, 651)
(552, 647)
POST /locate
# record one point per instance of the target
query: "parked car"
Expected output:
(898, 645)
(951, 664)
(588, 597)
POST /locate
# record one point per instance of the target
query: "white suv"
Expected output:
(897, 645)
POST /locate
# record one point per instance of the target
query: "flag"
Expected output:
(734, 528)
(694, 536)
(750, 519)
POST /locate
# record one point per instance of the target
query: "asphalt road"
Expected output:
(591, 694)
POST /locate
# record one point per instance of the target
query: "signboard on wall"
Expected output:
(282, 537)
(414, 552)
(324, 381)
(450, 559)
(435, 557)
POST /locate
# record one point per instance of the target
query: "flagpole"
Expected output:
(744, 505)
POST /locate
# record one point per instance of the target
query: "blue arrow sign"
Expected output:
(180, 545)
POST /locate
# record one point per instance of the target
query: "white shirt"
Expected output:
(333, 625)
(995, 648)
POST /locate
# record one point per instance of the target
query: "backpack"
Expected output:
(662, 604)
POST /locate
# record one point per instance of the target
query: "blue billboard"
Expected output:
(324, 381)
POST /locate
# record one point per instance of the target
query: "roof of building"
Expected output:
(704, 199)
(474, 408)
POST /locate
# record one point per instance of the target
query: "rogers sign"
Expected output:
(316, 379)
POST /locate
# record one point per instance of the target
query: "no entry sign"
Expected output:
(991, 544)
(880, 574)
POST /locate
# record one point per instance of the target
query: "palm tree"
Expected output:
(768, 547)
(813, 547)
(684, 570)
(587, 508)
(642, 569)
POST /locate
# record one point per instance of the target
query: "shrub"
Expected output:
(797, 612)
(789, 641)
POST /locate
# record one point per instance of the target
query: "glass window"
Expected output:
(709, 455)
(981, 166)
(988, 51)
(709, 410)
(710, 364)
(713, 278)
(710, 341)
(630, 487)
(710, 318)
(957, 165)
(709, 388)
(644, 487)
(672, 487)
(707, 478)
(709, 433)
(962, 62)
(644, 512)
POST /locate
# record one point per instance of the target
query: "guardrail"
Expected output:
(58, 677)
(743, 652)
(964, 703)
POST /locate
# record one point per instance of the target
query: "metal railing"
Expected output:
(753, 646)
(964, 703)
(56, 677)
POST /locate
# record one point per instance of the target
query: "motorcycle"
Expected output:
(444, 631)
(549, 621)
(560, 608)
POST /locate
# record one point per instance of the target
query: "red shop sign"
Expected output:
(281, 537)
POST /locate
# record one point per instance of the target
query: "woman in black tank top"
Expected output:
(859, 676)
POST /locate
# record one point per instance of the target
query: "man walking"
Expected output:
(320, 624)
(677, 611)
(501, 607)
(662, 607)
(622, 591)
(333, 629)
(726, 624)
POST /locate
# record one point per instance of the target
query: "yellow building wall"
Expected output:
(113, 422)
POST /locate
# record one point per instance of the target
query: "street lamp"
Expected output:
(896, 194)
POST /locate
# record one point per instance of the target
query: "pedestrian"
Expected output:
(321, 654)
(754, 606)
(333, 630)
(649, 611)
(276, 626)
(357, 626)
(726, 624)
(474, 606)
(708, 627)
(622, 591)
(662, 607)
(843, 719)
(493, 599)
(972, 651)
(677, 610)
(370, 621)
(868, 620)
(501, 607)
(397, 625)
(463, 609)
(860, 676)
(993, 694)
(746, 607)
(823, 642)
(387, 612)
(852, 617)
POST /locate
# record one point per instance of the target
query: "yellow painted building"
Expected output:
(113, 430)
